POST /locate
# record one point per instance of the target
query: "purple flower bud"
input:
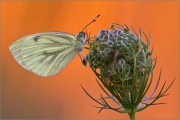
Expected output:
(101, 36)
(110, 43)
(119, 42)
(122, 62)
(103, 31)
(103, 54)
(105, 36)
(106, 32)
(110, 35)
(107, 50)
(103, 42)
(119, 32)
(115, 31)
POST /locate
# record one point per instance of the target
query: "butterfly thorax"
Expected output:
(79, 45)
(80, 41)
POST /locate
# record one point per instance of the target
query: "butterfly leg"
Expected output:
(86, 41)
(85, 60)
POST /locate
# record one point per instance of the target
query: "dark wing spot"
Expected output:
(36, 38)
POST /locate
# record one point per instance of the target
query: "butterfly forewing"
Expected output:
(46, 53)
(15, 49)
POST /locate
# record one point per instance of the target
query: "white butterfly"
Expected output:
(47, 53)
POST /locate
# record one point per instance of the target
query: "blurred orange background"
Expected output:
(28, 96)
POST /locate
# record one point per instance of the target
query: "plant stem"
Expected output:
(132, 116)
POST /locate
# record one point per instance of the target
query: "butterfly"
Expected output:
(45, 54)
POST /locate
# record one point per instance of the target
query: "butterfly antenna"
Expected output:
(91, 21)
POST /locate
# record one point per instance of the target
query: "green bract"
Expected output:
(123, 63)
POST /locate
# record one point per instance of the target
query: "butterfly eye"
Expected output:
(81, 35)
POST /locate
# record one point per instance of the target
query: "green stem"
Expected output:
(132, 116)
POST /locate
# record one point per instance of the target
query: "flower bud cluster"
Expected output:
(119, 55)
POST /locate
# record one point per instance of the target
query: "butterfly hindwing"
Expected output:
(45, 53)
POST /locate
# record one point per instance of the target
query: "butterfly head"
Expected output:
(81, 35)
